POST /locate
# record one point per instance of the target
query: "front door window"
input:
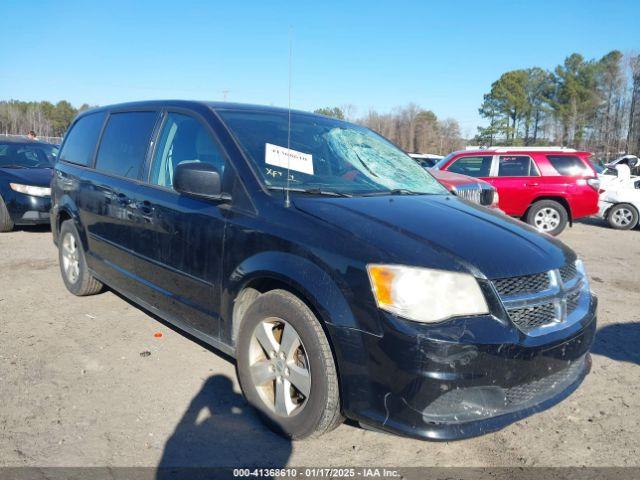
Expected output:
(183, 139)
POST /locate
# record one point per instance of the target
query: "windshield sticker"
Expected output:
(286, 158)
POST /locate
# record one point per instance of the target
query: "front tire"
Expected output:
(6, 224)
(73, 265)
(622, 216)
(548, 216)
(286, 368)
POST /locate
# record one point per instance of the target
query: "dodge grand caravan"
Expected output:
(343, 279)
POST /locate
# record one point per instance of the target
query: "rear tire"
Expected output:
(6, 224)
(548, 216)
(73, 266)
(286, 368)
(622, 216)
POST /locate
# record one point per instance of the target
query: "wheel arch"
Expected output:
(63, 211)
(279, 270)
(556, 198)
(632, 205)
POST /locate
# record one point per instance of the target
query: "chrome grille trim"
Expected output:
(476, 192)
(564, 300)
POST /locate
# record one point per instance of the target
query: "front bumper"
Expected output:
(471, 377)
(27, 209)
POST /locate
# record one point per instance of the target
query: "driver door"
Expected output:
(179, 239)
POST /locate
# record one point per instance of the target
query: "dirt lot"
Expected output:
(85, 382)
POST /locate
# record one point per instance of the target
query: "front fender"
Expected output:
(315, 284)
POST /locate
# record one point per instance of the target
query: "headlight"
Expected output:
(496, 199)
(31, 190)
(425, 295)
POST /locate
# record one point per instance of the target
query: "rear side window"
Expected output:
(81, 141)
(568, 165)
(125, 142)
(472, 166)
(516, 166)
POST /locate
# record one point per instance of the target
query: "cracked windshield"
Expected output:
(326, 156)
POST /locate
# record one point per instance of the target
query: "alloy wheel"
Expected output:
(622, 217)
(547, 219)
(279, 367)
(70, 258)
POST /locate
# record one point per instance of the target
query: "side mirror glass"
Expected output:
(197, 179)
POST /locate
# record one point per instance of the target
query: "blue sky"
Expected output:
(375, 54)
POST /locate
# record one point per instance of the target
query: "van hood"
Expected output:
(440, 231)
(38, 177)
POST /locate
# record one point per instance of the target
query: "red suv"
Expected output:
(546, 187)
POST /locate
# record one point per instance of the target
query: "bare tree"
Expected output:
(415, 129)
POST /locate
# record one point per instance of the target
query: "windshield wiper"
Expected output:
(404, 191)
(312, 191)
(395, 191)
(12, 165)
(317, 191)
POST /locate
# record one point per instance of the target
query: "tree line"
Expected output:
(411, 127)
(587, 104)
(44, 118)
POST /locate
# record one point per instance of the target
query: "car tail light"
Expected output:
(594, 183)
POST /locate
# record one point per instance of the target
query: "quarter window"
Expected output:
(516, 166)
(80, 142)
(124, 143)
(568, 165)
(472, 166)
(183, 139)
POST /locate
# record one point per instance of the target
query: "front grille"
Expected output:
(568, 272)
(525, 393)
(572, 301)
(522, 285)
(529, 318)
(476, 193)
(542, 299)
(483, 401)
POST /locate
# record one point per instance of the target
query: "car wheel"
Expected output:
(73, 265)
(6, 224)
(286, 368)
(622, 216)
(548, 216)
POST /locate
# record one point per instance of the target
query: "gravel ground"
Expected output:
(91, 382)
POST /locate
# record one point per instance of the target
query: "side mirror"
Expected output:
(197, 179)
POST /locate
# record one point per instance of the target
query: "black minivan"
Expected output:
(343, 279)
